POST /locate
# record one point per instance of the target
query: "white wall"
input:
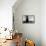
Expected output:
(40, 14)
(31, 31)
(6, 13)
(43, 22)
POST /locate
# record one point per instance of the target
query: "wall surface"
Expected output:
(30, 31)
(43, 22)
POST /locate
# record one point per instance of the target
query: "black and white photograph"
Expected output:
(28, 19)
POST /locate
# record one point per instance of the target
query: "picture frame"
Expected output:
(28, 19)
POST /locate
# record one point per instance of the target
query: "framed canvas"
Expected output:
(28, 19)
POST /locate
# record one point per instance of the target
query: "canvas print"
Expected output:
(28, 19)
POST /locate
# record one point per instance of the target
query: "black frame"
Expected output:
(28, 19)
